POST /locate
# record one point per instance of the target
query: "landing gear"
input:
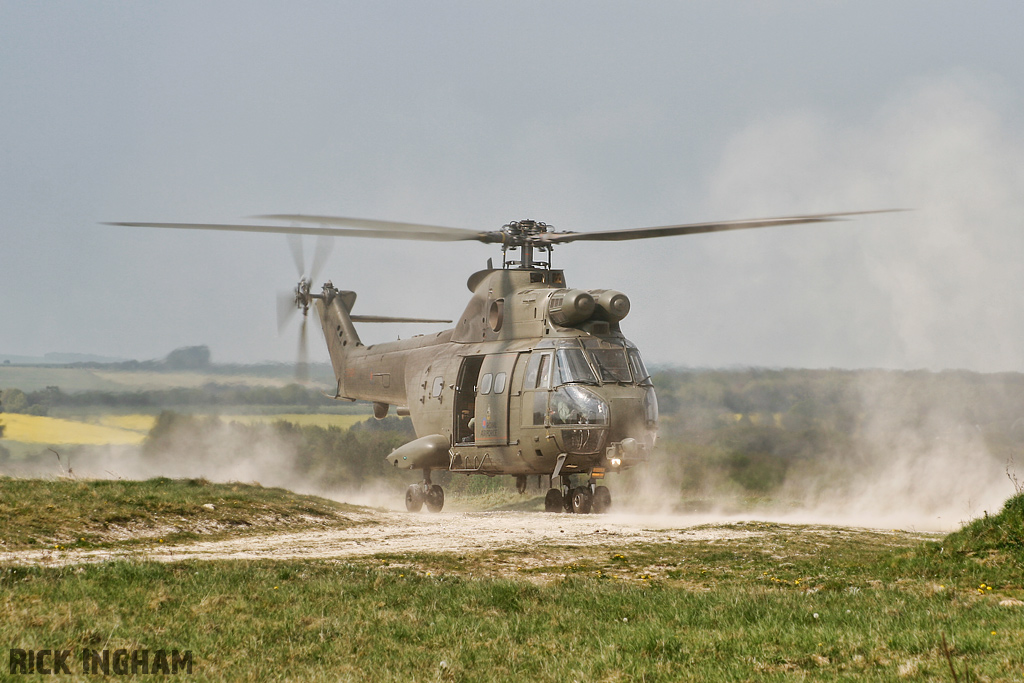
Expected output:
(418, 494)
(414, 498)
(602, 500)
(553, 501)
(581, 500)
(435, 498)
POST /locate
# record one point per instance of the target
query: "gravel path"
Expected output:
(400, 532)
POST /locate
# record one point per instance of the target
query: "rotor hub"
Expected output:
(525, 235)
(302, 295)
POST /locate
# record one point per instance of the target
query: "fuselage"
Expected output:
(533, 378)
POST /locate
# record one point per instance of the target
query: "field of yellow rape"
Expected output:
(131, 429)
(35, 429)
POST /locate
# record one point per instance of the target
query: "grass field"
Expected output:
(793, 603)
(63, 513)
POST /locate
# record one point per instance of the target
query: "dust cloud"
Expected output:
(213, 450)
(938, 287)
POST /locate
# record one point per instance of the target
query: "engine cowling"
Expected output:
(569, 307)
(611, 305)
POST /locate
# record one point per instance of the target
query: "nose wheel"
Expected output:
(580, 500)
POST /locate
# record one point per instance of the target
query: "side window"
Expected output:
(485, 384)
(531, 372)
(544, 373)
(435, 389)
(499, 382)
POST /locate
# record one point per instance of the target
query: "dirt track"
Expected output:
(402, 533)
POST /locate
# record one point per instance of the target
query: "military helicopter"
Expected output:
(535, 378)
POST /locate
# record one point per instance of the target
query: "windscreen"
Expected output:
(611, 364)
(640, 374)
(573, 367)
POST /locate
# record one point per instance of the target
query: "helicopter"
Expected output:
(536, 378)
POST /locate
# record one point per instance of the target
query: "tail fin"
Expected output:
(334, 308)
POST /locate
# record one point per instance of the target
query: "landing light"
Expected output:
(615, 462)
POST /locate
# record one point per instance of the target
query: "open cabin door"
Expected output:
(492, 397)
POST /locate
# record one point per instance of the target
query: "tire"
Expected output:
(602, 500)
(553, 501)
(582, 500)
(435, 498)
(413, 498)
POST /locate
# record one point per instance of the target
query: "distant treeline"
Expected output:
(42, 401)
(199, 359)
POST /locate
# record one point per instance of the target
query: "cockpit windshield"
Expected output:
(573, 367)
(640, 374)
(593, 361)
(611, 364)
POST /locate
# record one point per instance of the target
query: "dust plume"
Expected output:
(192, 447)
(938, 287)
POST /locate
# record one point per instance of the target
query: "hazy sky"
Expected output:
(585, 115)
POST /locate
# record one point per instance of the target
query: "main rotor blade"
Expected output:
(373, 224)
(697, 228)
(437, 235)
(392, 319)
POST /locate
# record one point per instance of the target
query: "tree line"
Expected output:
(745, 430)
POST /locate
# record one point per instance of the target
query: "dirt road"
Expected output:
(396, 533)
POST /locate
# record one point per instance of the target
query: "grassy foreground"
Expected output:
(36, 513)
(780, 603)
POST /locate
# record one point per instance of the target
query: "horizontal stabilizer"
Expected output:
(390, 319)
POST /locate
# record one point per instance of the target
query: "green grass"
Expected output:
(37, 513)
(707, 615)
(771, 603)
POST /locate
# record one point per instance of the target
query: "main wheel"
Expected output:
(553, 501)
(602, 500)
(435, 498)
(582, 500)
(413, 498)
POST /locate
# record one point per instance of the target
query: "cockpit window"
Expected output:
(611, 364)
(640, 374)
(573, 367)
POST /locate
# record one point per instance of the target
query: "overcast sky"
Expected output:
(585, 115)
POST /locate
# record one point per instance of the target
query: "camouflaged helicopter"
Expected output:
(535, 378)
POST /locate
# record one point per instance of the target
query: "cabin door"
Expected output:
(492, 394)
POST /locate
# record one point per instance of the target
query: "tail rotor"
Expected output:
(299, 298)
